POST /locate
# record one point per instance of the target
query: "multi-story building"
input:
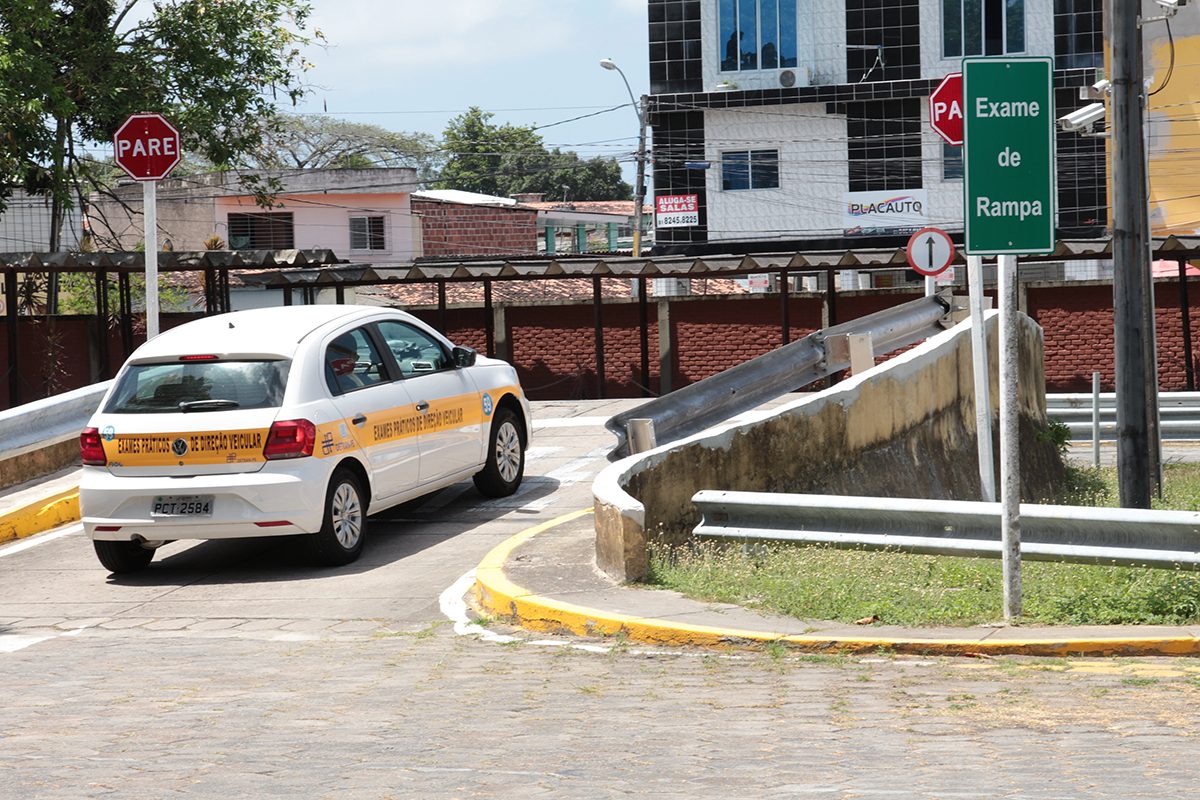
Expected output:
(805, 123)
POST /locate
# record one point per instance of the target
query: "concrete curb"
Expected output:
(496, 594)
(45, 514)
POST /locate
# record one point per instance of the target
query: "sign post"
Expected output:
(1009, 196)
(147, 147)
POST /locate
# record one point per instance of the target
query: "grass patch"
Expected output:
(903, 589)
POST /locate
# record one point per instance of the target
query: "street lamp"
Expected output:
(640, 190)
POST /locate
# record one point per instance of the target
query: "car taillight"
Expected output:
(293, 438)
(91, 449)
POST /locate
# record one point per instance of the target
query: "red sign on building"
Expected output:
(945, 109)
(147, 147)
(676, 210)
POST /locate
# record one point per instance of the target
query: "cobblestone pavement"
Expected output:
(234, 670)
(424, 713)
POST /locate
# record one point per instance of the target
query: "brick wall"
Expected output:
(454, 229)
(553, 346)
(1077, 323)
(714, 334)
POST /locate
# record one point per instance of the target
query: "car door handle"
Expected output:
(422, 406)
(359, 421)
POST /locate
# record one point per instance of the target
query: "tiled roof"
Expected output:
(622, 207)
(416, 294)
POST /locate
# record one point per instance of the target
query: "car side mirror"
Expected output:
(463, 357)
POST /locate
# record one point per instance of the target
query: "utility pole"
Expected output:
(639, 192)
(1130, 249)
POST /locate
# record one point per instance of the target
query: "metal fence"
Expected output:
(1115, 536)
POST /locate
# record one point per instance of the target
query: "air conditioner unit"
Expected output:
(796, 76)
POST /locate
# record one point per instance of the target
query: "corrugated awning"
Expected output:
(323, 268)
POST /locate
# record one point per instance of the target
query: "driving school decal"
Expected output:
(206, 447)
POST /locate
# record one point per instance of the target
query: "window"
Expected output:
(885, 145)
(1078, 33)
(261, 232)
(366, 233)
(750, 169)
(415, 350)
(353, 362)
(952, 162)
(209, 385)
(757, 34)
(883, 40)
(982, 27)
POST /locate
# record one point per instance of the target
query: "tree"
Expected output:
(506, 159)
(315, 141)
(72, 70)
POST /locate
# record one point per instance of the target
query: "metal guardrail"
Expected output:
(1126, 537)
(42, 423)
(1178, 413)
(717, 398)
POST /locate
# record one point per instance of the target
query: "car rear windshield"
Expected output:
(199, 386)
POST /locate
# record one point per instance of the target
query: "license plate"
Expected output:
(182, 505)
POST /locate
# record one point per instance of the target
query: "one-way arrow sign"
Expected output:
(930, 251)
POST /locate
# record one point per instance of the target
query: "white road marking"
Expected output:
(454, 606)
(579, 469)
(570, 422)
(12, 642)
(40, 539)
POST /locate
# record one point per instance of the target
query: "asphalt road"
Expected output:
(235, 669)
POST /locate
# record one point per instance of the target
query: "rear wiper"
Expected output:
(207, 405)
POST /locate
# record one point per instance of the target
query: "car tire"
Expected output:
(121, 558)
(344, 527)
(501, 475)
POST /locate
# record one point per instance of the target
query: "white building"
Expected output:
(806, 123)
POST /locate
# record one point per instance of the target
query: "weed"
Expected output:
(776, 650)
(1139, 681)
(817, 582)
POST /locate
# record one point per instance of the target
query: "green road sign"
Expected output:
(1008, 131)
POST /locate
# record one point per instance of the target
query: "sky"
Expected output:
(411, 65)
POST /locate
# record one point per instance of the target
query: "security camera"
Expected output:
(1172, 5)
(1083, 118)
(1097, 91)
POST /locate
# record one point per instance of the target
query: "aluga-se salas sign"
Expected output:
(1009, 188)
(677, 210)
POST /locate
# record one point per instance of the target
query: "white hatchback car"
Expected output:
(295, 420)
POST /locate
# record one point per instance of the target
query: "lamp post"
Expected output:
(640, 190)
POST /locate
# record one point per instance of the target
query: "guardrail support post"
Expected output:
(862, 353)
(641, 435)
(1096, 420)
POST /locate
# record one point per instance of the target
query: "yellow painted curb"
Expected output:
(496, 594)
(58, 509)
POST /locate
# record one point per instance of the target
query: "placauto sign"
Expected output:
(676, 210)
(868, 213)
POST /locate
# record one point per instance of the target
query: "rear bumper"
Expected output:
(240, 503)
